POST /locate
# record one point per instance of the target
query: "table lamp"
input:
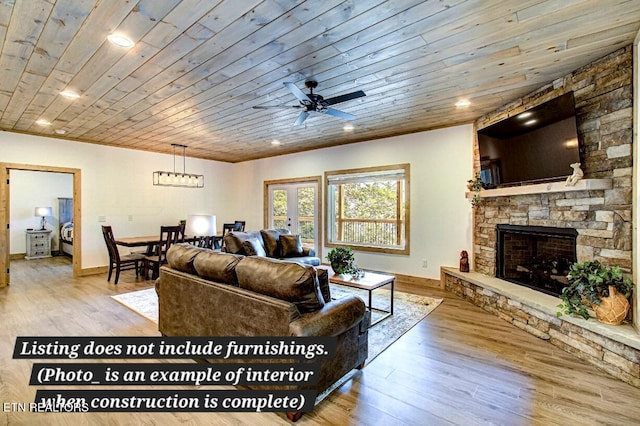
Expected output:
(44, 212)
(200, 225)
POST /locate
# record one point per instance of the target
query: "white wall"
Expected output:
(117, 183)
(30, 189)
(441, 217)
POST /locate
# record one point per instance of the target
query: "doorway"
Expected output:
(295, 205)
(5, 196)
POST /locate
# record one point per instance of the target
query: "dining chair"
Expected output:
(227, 227)
(118, 262)
(168, 235)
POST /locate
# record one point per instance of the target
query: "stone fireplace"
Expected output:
(537, 257)
(595, 215)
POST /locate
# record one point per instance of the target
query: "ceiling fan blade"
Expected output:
(277, 106)
(303, 116)
(344, 98)
(297, 92)
(339, 114)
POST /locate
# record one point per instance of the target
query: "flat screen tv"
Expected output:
(537, 145)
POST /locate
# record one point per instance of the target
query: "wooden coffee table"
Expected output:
(369, 282)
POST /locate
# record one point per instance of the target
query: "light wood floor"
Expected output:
(460, 365)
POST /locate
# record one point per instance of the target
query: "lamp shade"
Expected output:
(200, 225)
(43, 211)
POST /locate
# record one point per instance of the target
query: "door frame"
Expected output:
(5, 217)
(308, 179)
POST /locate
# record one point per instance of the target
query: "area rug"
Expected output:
(408, 310)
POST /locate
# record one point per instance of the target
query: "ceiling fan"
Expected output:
(316, 103)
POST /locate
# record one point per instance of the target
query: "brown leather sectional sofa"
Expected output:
(206, 293)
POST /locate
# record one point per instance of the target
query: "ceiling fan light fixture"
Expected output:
(314, 103)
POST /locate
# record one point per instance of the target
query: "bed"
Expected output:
(65, 233)
(66, 238)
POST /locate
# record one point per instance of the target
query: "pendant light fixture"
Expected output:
(162, 178)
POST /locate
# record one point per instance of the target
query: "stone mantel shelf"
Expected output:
(543, 188)
(624, 333)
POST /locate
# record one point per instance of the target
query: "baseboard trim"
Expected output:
(408, 279)
(17, 256)
(417, 281)
(94, 271)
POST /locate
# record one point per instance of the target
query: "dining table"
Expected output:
(152, 241)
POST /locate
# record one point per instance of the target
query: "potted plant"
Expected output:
(342, 260)
(476, 185)
(601, 287)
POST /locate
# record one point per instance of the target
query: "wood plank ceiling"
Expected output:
(199, 66)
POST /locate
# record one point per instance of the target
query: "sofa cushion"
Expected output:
(216, 266)
(291, 246)
(233, 240)
(306, 260)
(290, 281)
(252, 247)
(181, 256)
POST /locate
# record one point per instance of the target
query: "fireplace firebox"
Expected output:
(538, 257)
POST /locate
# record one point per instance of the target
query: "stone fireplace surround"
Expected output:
(599, 208)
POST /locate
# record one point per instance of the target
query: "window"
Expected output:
(368, 209)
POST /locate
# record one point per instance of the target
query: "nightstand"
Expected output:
(38, 244)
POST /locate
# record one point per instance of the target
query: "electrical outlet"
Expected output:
(424, 263)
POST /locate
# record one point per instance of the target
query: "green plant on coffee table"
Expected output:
(588, 282)
(342, 260)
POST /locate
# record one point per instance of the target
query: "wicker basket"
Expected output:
(612, 309)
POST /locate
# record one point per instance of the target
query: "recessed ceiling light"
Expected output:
(120, 40)
(463, 103)
(530, 122)
(60, 131)
(525, 115)
(275, 142)
(69, 94)
(43, 122)
(348, 128)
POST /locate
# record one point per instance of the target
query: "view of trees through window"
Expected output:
(367, 209)
(305, 207)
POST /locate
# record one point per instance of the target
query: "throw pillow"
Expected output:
(291, 246)
(233, 241)
(323, 281)
(219, 267)
(290, 281)
(252, 247)
(271, 238)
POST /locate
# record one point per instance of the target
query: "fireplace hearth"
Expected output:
(537, 257)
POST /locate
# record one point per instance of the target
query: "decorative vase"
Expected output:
(613, 309)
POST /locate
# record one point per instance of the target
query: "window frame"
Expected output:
(330, 215)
